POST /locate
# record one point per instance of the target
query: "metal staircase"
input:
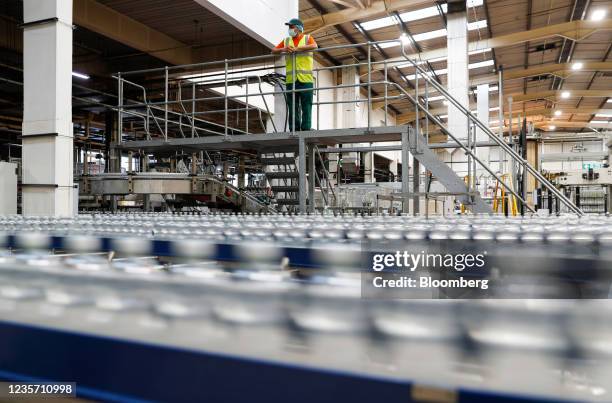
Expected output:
(422, 110)
(282, 175)
(445, 175)
(294, 183)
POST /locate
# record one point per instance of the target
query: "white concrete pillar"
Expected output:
(393, 167)
(349, 115)
(47, 112)
(368, 171)
(457, 43)
(280, 106)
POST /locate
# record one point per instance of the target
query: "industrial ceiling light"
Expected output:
(558, 113)
(598, 14)
(552, 127)
(80, 75)
(577, 66)
(565, 94)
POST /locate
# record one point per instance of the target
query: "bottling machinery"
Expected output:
(590, 188)
(185, 189)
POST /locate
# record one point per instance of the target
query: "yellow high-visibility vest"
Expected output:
(304, 63)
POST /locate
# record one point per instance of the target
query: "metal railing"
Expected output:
(325, 182)
(205, 105)
(163, 115)
(473, 124)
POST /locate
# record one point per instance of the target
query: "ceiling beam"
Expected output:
(409, 116)
(562, 70)
(344, 3)
(575, 30)
(572, 124)
(566, 51)
(105, 21)
(556, 95)
(377, 8)
(544, 123)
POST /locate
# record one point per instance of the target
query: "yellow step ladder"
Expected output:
(500, 195)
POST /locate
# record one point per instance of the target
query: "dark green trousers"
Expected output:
(303, 106)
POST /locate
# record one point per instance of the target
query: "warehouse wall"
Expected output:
(459, 159)
(566, 147)
(327, 113)
(261, 19)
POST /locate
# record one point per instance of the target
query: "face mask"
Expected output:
(292, 33)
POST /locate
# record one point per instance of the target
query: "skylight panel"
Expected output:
(420, 14)
(429, 35)
(471, 66)
(477, 25)
(378, 23)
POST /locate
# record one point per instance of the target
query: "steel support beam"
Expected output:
(416, 184)
(406, 171)
(311, 178)
(302, 191)
(397, 147)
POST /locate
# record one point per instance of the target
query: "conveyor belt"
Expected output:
(189, 307)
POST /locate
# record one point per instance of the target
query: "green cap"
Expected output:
(297, 22)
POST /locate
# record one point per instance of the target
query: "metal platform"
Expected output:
(265, 142)
(177, 121)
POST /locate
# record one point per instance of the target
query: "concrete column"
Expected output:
(457, 43)
(393, 168)
(280, 107)
(47, 112)
(368, 168)
(349, 115)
